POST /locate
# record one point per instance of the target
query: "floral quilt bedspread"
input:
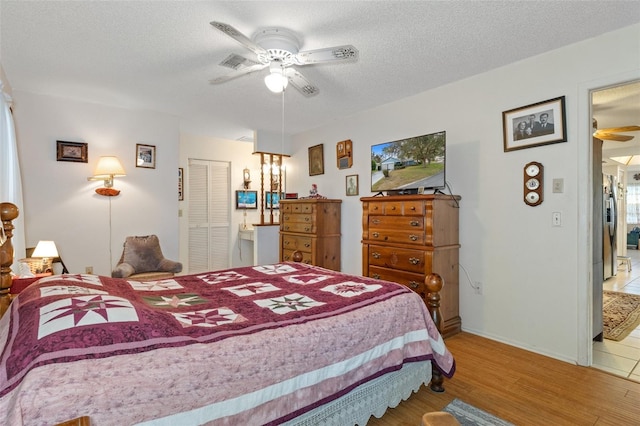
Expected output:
(68, 331)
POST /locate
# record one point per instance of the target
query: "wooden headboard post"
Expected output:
(8, 212)
(434, 284)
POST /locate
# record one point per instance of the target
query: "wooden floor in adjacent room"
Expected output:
(524, 388)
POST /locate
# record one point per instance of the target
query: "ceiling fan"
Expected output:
(278, 50)
(611, 134)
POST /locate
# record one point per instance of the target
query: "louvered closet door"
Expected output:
(209, 215)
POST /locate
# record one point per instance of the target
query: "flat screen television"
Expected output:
(409, 166)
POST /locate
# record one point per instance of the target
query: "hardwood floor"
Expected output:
(524, 388)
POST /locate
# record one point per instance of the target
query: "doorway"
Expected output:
(614, 106)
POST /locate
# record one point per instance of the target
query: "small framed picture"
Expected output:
(316, 160)
(246, 199)
(271, 200)
(538, 124)
(71, 151)
(180, 184)
(352, 185)
(146, 156)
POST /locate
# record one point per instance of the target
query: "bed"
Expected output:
(286, 343)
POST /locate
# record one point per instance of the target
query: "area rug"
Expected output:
(621, 314)
(468, 415)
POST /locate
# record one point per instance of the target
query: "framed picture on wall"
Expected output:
(316, 160)
(246, 199)
(351, 187)
(271, 200)
(146, 156)
(538, 124)
(71, 151)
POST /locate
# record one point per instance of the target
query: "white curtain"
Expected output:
(10, 181)
(633, 204)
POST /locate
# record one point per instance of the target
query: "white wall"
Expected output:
(532, 274)
(239, 155)
(61, 205)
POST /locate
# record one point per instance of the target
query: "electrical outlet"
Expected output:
(478, 287)
(88, 269)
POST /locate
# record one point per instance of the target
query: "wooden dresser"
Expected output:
(406, 237)
(311, 226)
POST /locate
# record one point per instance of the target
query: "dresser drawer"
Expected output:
(297, 208)
(396, 222)
(397, 236)
(297, 218)
(300, 227)
(397, 208)
(293, 242)
(414, 281)
(287, 256)
(397, 258)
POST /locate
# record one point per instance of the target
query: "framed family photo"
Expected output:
(246, 199)
(538, 124)
(146, 156)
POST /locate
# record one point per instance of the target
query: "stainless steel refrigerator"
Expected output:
(610, 225)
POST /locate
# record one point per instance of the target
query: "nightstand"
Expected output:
(18, 284)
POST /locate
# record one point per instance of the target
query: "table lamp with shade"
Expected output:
(47, 251)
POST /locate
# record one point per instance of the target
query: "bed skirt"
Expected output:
(369, 399)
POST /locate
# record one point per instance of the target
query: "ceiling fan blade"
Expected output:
(612, 136)
(240, 73)
(301, 83)
(620, 129)
(239, 37)
(329, 54)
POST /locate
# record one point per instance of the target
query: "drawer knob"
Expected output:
(285, 257)
(375, 255)
(414, 261)
(286, 243)
(414, 223)
(413, 208)
(286, 227)
(376, 276)
(413, 237)
(393, 207)
(376, 235)
(413, 285)
(307, 219)
(307, 245)
(375, 221)
(307, 229)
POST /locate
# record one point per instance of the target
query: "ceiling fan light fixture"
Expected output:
(276, 82)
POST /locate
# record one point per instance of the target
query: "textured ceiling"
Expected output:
(160, 55)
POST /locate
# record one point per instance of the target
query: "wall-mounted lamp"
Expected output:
(246, 177)
(108, 167)
(47, 251)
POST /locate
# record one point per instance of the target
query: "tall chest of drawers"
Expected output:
(406, 237)
(311, 226)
